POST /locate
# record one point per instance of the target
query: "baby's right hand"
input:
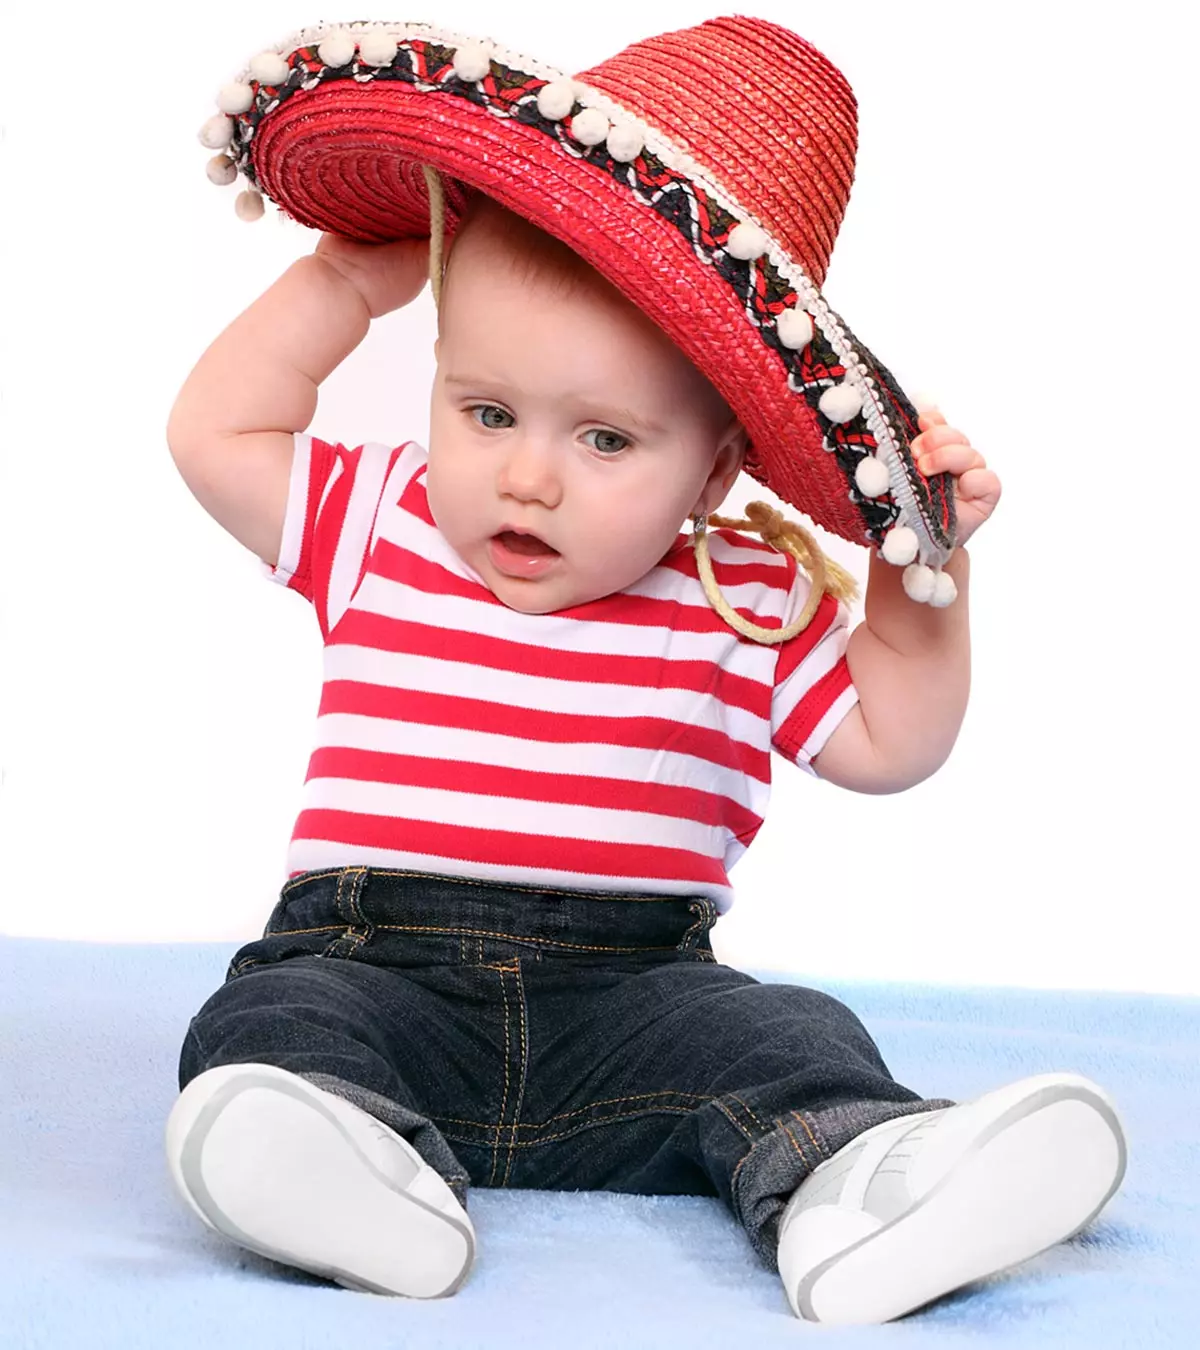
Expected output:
(387, 276)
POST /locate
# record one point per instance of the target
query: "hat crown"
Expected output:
(761, 111)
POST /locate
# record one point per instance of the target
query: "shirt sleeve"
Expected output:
(334, 495)
(813, 691)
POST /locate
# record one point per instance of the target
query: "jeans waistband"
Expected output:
(362, 897)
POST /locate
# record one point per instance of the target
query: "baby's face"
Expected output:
(574, 418)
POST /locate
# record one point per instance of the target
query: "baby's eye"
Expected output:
(613, 435)
(489, 408)
(610, 449)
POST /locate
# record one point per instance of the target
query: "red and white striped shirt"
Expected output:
(619, 745)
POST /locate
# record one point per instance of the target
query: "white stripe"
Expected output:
(558, 632)
(339, 467)
(408, 463)
(309, 854)
(397, 599)
(824, 729)
(559, 820)
(820, 661)
(624, 763)
(543, 693)
(295, 511)
(356, 528)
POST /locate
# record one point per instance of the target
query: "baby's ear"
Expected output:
(436, 344)
(738, 436)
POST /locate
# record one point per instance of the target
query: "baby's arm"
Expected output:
(231, 429)
(911, 666)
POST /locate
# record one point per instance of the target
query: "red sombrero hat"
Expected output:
(704, 172)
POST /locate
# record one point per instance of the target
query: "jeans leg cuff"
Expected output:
(779, 1160)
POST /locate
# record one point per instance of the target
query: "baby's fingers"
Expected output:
(981, 487)
(956, 458)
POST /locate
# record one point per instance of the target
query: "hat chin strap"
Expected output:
(785, 535)
(788, 537)
(437, 230)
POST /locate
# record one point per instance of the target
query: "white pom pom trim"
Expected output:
(221, 170)
(249, 204)
(900, 546)
(235, 98)
(269, 68)
(626, 142)
(795, 328)
(337, 49)
(945, 592)
(840, 402)
(472, 61)
(871, 477)
(746, 241)
(556, 99)
(217, 132)
(919, 582)
(377, 48)
(590, 127)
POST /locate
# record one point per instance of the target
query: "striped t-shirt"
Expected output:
(622, 745)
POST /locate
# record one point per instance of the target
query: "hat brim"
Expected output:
(340, 149)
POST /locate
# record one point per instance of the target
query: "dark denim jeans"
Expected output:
(561, 1040)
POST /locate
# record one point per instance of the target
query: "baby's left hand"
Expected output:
(941, 449)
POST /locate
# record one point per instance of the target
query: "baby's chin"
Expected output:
(540, 595)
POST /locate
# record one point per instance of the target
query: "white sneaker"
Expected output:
(923, 1204)
(304, 1177)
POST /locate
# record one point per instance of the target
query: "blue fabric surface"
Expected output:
(97, 1251)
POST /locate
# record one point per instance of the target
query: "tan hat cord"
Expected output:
(788, 537)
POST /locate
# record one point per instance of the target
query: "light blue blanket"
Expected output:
(96, 1251)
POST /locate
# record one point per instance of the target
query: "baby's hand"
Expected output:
(941, 449)
(387, 276)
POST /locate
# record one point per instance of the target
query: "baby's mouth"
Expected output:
(524, 543)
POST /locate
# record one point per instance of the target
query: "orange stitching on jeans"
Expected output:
(516, 937)
(469, 932)
(734, 1175)
(298, 932)
(566, 1134)
(524, 1070)
(795, 1144)
(745, 1107)
(823, 1150)
(504, 1102)
(749, 1151)
(579, 1111)
(730, 1117)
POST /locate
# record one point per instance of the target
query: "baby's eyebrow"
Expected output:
(611, 413)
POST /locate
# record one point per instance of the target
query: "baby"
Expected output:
(538, 752)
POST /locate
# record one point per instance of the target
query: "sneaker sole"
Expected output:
(1054, 1159)
(269, 1165)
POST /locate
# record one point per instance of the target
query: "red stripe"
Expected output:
(805, 716)
(320, 465)
(408, 568)
(382, 633)
(533, 724)
(662, 799)
(794, 651)
(480, 845)
(393, 455)
(328, 528)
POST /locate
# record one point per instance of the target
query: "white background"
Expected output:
(1018, 245)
